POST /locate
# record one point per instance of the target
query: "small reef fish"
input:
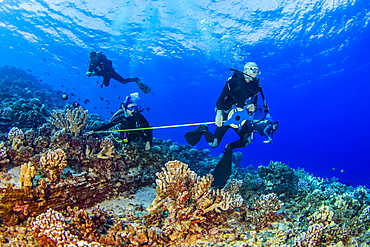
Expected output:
(75, 104)
(64, 96)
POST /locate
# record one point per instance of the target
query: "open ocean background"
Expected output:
(314, 56)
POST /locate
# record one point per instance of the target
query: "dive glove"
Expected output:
(88, 73)
(219, 118)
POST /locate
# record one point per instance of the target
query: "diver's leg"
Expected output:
(217, 137)
(244, 138)
(106, 80)
(119, 78)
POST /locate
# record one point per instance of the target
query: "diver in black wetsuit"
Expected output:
(101, 66)
(241, 91)
(130, 117)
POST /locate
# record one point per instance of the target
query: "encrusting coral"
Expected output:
(75, 120)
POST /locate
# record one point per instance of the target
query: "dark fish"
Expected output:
(79, 99)
(62, 85)
(119, 97)
(75, 104)
(97, 82)
(115, 86)
(107, 107)
(29, 70)
(86, 101)
(111, 112)
(64, 96)
(72, 94)
(148, 108)
(44, 59)
(73, 88)
(108, 100)
(40, 80)
(101, 98)
(95, 107)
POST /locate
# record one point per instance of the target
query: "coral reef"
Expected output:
(74, 121)
(55, 173)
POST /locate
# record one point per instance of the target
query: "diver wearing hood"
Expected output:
(129, 117)
(240, 92)
(101, 66)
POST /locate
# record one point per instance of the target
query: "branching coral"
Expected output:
(52, 164)
(51, 229)
(16, 137)
(264, 211)
(27, 174)
(107, 147)
(75, 120)
(185, 203)
(322, 230)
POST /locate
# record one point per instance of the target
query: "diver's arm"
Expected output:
(148, 134)
(116, 121)
(265, 106)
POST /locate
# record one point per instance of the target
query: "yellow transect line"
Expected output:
(157, 127)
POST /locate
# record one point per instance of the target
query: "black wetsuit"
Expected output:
(137, 120)
(103, 67)
(236, 92)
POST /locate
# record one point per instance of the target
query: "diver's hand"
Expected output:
(147, 146)
(88, 73)
(266, 108)
(219, 118)
(251, 108)
(88, 133)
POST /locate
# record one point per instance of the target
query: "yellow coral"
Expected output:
(27, 174)
(74, 120)
(192, 206)
(107, 149)
(52, 164)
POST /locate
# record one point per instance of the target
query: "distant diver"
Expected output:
(99, 65)
(237, 104)
(129, 117)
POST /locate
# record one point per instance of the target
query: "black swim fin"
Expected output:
(222, 171)
(193, 137)
(143, 87)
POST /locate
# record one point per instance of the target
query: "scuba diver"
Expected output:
(101, 66)
(237, 104)
(129, 117)
(264, 125)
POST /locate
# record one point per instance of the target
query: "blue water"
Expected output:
(314, 56)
